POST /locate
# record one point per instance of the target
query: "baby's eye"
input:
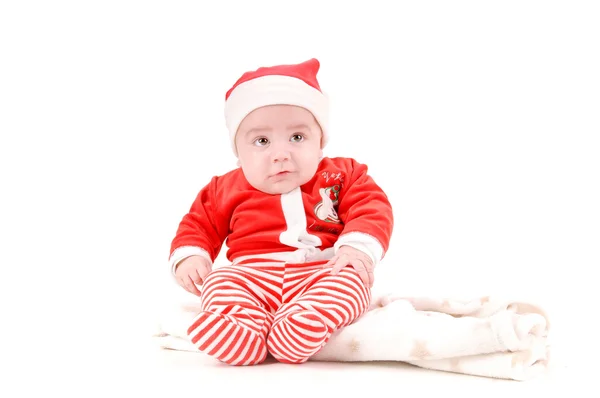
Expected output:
(261, 141)
(297, 137)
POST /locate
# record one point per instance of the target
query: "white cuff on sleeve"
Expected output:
(184, 252)
(363, 242)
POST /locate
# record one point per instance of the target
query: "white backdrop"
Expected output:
(480, 120)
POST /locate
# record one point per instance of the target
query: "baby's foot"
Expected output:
(297, 337)
(222, 337)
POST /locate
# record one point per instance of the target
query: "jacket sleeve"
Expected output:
(203, 230)
(366, 212)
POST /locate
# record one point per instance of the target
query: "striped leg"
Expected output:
(323, 304)
(236, 317)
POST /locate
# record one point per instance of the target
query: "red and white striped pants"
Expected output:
(288, 310)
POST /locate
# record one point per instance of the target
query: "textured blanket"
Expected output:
(484, 336)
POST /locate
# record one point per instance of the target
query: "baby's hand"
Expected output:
(192, 271)
(362, 263)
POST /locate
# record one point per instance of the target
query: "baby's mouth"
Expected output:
(281, 174)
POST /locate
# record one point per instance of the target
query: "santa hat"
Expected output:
(294, 84)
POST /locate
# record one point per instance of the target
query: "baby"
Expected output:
(304, 231)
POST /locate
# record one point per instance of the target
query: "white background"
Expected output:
(479, 119)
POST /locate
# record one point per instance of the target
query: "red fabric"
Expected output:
(306, 71)
(364, 207)
(283, 309)
(251, 221)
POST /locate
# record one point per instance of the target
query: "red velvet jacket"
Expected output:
(340, 205)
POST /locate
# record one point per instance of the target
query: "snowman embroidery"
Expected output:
(325, 209)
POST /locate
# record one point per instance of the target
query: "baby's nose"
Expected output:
(281, 156)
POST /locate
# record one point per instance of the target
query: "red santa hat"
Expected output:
(294, 84)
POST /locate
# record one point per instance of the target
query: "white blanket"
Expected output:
(484, 336)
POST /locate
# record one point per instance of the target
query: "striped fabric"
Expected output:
(288, 310)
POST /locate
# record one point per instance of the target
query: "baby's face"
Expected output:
(279, 148)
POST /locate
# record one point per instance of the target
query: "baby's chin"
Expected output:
(280, 188)
(277, 188)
